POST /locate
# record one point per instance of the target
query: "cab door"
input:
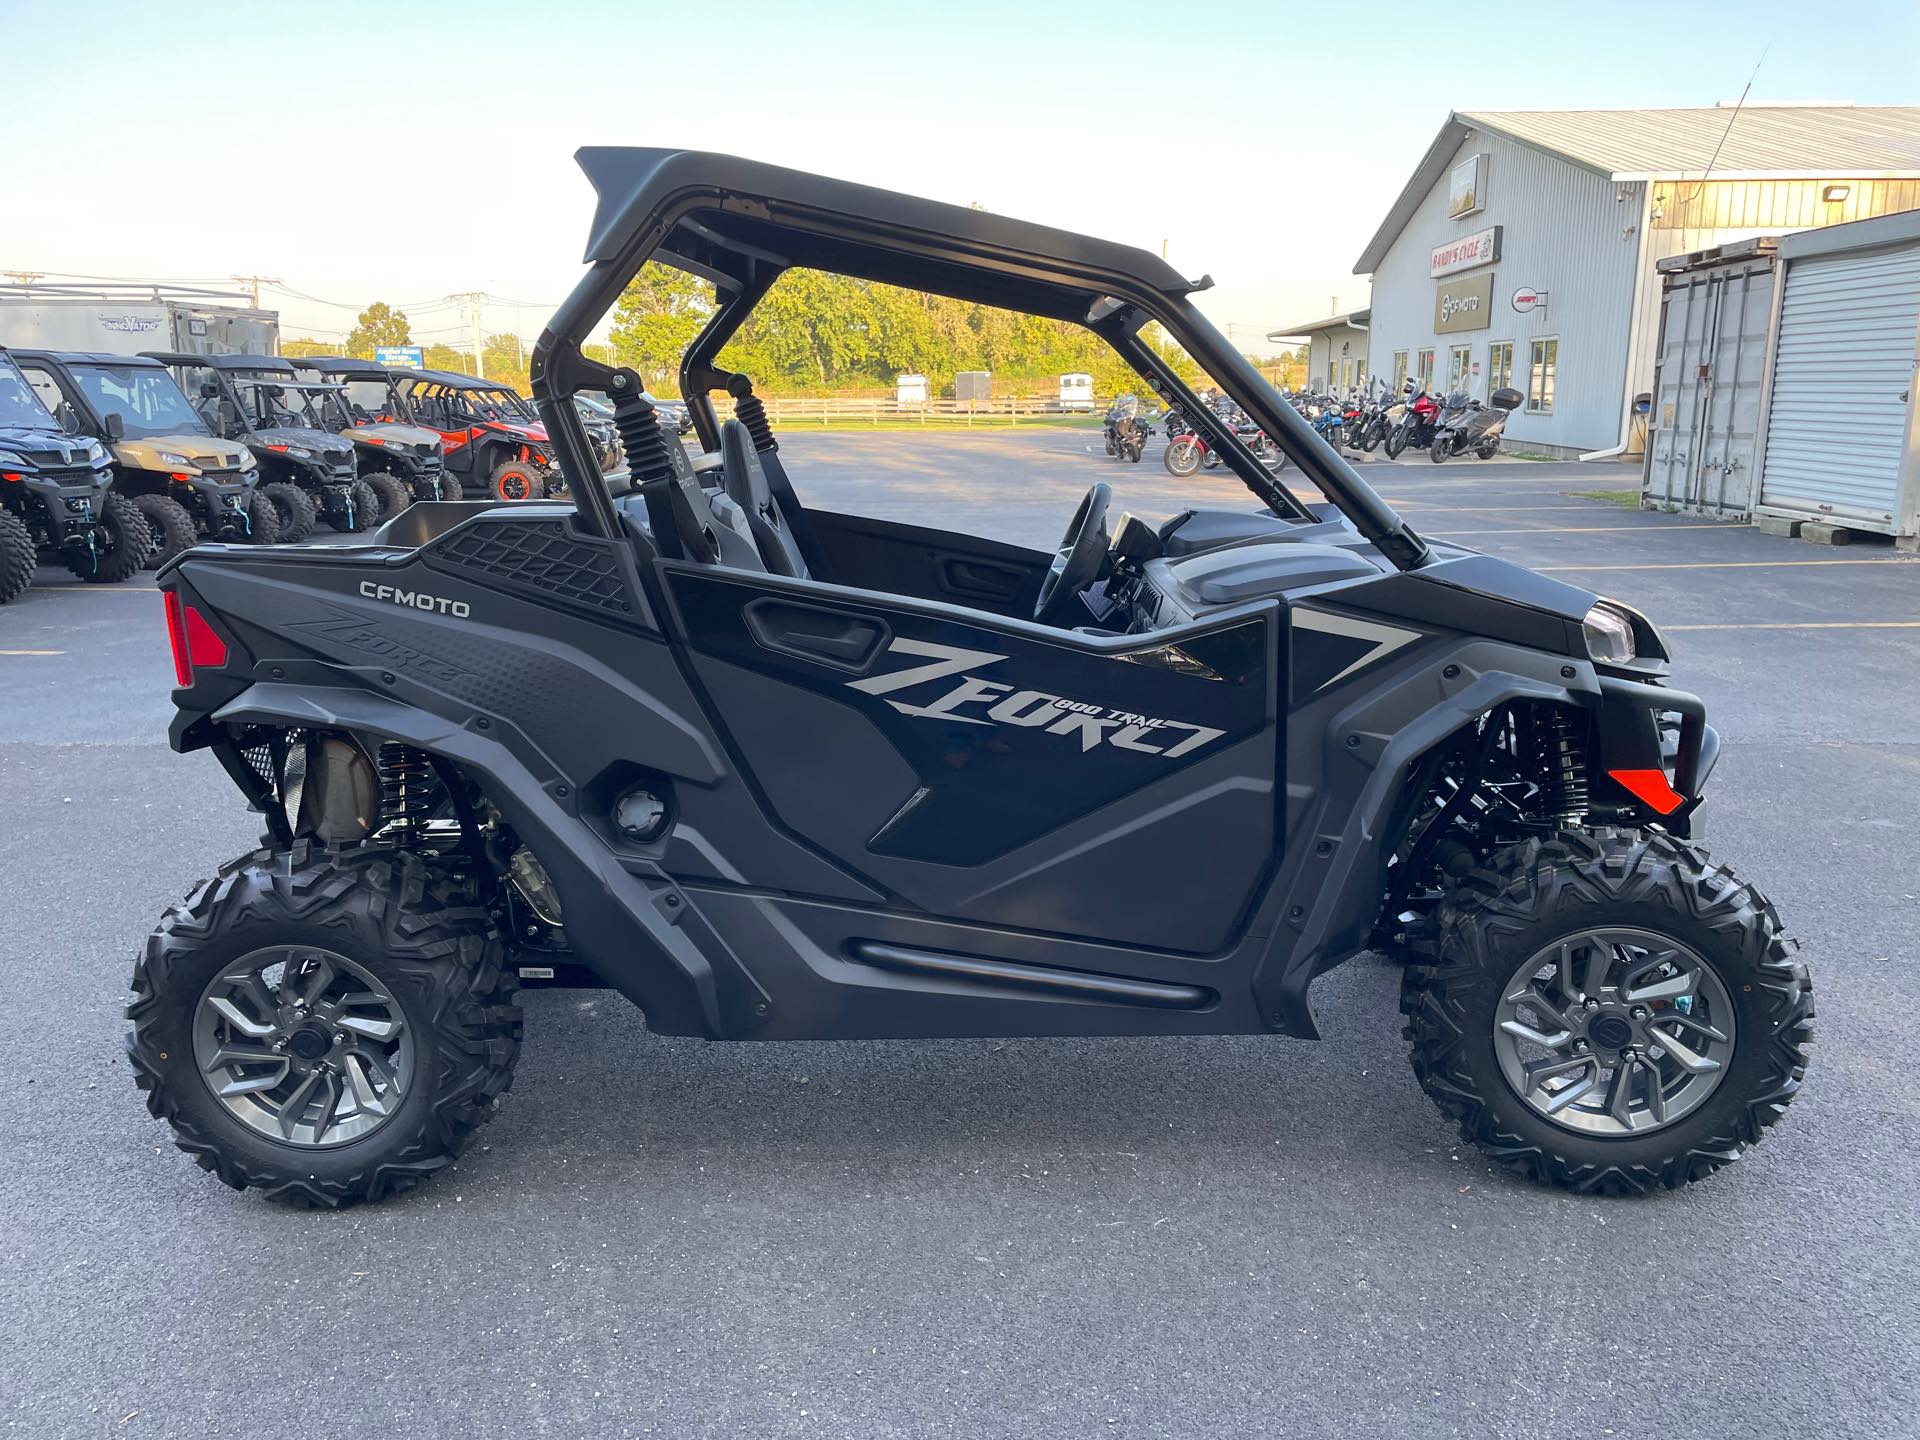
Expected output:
(995, 772)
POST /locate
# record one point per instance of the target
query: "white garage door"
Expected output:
(1837, 428)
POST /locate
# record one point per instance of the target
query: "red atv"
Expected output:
(495, 444)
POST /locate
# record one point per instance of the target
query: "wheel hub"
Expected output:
(1614, 1032)
(304, 1046)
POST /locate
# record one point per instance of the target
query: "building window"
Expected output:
(1399, 370)
(1545, 359)
(1457, 359)
(1424, 370)
(1499, 366)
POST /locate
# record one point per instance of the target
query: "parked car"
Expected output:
(56, 497)
(187, 483)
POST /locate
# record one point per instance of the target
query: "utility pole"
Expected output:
(254, 282)
(473, 299)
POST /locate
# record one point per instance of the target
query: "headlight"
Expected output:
(95, 450)
(299, 452)
(7, 457)
(1609, 635)
(167, 457)
(247, 462)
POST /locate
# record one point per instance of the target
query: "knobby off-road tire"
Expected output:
(412, 932)
(364, 508)
(1529, 897)
(263, 521)
(120, 552)
(392, 492)
(516, 481)
(170, 526)
(295, 509)
(17, 557)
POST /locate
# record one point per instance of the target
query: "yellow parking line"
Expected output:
(1809, 625)
(32, 652)
(1720, 565)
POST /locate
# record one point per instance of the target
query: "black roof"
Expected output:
(343, 365)
(453, 380)
(737, 218)
(90, 357)
(277, 364)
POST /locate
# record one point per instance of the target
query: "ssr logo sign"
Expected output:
(969, 700)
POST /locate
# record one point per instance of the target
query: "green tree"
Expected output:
(655, 321)
(379, 324)
(445, 357)
(304, 345)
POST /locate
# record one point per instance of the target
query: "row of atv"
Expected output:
(109, 463)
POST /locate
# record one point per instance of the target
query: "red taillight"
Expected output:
(192, 640)
(1650, 788)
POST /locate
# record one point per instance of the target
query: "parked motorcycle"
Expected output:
(1465, 424)
(1416, 423)
(1187, 449)
(1127, 428)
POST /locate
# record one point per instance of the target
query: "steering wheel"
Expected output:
(1076, 565)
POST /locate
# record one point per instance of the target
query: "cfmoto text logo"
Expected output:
(993, 703)
(416, 599)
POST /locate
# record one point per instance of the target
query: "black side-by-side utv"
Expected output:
(779, 773)
(402, 461)
(56, 499)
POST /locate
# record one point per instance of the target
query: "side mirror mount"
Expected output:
(116, 424)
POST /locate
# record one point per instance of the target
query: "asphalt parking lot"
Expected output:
(1220, 1237)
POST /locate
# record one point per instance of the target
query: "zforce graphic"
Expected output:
(1037, 709)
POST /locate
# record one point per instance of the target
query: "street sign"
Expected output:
(1527, 298)
(409, 357)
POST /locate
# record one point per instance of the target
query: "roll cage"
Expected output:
(741, 224)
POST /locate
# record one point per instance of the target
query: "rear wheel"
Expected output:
(119, 546)
(1488, 448)
(392, 492)
(17, 557)
(1609, 1011)
(295, 509)
(170, 526)
(516, 480)
(324, 1026)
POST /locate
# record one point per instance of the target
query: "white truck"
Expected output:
(1076, 394)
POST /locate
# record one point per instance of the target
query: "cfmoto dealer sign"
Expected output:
(1463, 304)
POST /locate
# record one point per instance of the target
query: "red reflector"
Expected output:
(177, 640)
(192, 639)
(1649, 787)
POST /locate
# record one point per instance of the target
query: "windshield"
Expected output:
(18, 404)
(145, 398)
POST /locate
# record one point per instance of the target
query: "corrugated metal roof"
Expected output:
(1850, 142)
(1356, 318)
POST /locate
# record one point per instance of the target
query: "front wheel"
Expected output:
(324, 1026)
(392, 493)
(1608, 1010)
(1182, 456)
(295, 509)
(170, 526)
(1395, 441)
(263, 521)
(17, 557)
(1438, 448)
(363, 509)
(516, 480)
(117, 547)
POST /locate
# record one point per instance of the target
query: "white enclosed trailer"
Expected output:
(124, 320)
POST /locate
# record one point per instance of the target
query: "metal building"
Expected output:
(1785, 382)
(1524, 248)
(1336, 349)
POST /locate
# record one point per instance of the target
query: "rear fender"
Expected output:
(634, 927)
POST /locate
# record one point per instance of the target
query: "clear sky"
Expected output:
(402, 152)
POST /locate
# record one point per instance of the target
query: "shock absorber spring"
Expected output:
(407, 785)
(1564, 765)
(749, 410)
(640, 434)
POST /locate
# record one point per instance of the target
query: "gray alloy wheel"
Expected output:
(303, 1045)
(1614, 1032)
